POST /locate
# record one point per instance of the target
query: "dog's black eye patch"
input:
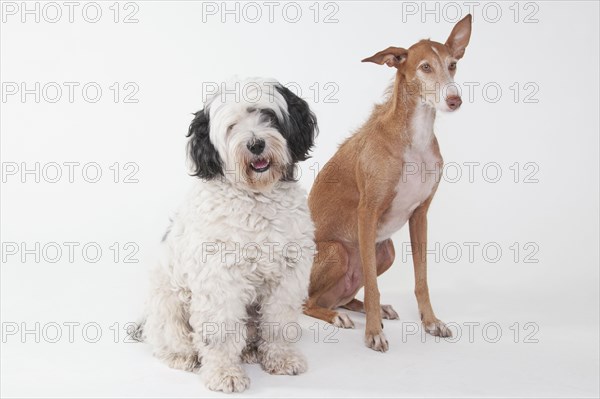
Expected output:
(268, 116)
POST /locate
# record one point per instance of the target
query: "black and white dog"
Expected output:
(239, 251)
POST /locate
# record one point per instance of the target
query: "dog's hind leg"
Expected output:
(387, 311)
(338, 319)
(183, 361)
(385, 255)
(167, 328)
(329, 269)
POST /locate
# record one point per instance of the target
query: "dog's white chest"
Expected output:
(421, 170)
(256, 239)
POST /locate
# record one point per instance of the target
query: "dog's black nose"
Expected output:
(256, 146)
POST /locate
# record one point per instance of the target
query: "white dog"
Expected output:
(239, 251)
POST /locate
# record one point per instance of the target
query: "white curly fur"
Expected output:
(232, 280)
(201, 293)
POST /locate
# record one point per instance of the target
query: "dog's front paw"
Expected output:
(342, 320)
(226, 379)
(376, 340)
(288, 362)
(437, 328)
(388, 312)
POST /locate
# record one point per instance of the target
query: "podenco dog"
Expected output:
(383, 176)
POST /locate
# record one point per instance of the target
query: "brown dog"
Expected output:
(383, 176)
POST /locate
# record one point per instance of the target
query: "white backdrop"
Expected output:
(514, 256)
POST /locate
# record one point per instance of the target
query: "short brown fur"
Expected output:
(356, 188)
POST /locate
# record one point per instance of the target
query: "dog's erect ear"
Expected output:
(391, 56)
(202, 152)
(300, 128)
(459, 37)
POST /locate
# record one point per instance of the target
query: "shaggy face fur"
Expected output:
(237, 257)
(254, 141)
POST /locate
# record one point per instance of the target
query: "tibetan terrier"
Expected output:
(238, 253)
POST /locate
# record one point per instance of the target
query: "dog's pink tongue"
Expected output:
(260, 164)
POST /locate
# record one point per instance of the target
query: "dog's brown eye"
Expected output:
(452, 66)
(426, 68)
(230, 127)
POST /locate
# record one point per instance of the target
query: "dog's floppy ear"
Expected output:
(459, 37)
(391, 56)
(202, 152)
(301, 127)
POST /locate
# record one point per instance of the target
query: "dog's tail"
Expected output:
(136, 332)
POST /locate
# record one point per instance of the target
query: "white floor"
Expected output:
(562, 363)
